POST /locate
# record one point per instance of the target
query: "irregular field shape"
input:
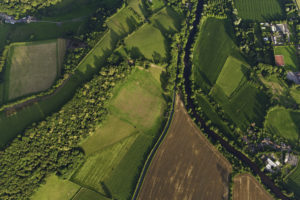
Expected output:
(213, 46)
(33, 68)
(259, 10)
(284, 122)
(231, 76)
(246, 187)
(293, 181)
(86, 194)
(186, 165)
(56, 188)
(148, 40)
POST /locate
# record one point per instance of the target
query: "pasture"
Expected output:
(290, 57)
(116, 149)
(167, 20)
(258, 10)
(232, 76)
(196, 171)
(123, 22)
(56, 188)
(147, 42)
(284, 123)
(213, 45)
(33, 67)
(246, 187)
(293, 181)
(139, 7)
(87, 194)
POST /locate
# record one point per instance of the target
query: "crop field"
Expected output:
(186, 165)
(259, 10)
(123, 22)
(56, 188)
(116, 150)
(290, 57)
(293, 181)
(246, 187)
(283, 122)
(167, 20)
(232, 76)
(139, 7)
(148, 42)
(213, 46)
(33, 67)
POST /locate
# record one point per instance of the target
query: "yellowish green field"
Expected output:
(116, 149)
(147, 42)
(232, 75)
(138, 6)
(33, 67)
(56, 188)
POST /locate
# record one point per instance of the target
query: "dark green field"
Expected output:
(293, 181)
(260, 10)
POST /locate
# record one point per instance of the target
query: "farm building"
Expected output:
(294, 76)
(279, 60)
(279, 32)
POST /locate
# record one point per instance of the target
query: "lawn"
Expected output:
(284, 122)
(147, 42)
(213, 45)
(167, 20)
(33, 67)
(116, 150)
(56, 188)
(232, 76)
(123, 22)
(290, 57)
(259, 10)
(293, 181)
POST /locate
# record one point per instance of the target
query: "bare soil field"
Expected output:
(246, 187)
(186, 165)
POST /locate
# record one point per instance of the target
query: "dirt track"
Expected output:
(186, 165)
(246, 187)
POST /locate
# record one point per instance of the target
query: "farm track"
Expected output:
(191, 106)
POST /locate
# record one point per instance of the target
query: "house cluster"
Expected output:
(272, 163)
(279, 33)
(267, 142)
(11, 20)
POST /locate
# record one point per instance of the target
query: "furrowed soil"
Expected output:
(246, 187)
(186, 165)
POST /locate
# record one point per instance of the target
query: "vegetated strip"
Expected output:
(191, 106)
(154, 150)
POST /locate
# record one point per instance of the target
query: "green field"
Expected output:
(260, 10)
(293, 181)
(123, 22)
(232, 76)
(86, 194)
(167, 20)
(56, 188)
(147, 42)
(116, 150)
(284, 123)
(213, 45)
(290, 57)
(139, 7)
(33, 67)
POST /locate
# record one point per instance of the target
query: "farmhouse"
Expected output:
(279, 31)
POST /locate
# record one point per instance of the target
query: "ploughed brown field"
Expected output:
(246, 187)
(186, 166)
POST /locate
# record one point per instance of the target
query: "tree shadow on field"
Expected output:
(106, 190)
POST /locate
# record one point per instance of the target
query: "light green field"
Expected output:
(123, 22)
(86, 194)
(56, 188)
(295, 93)
(116, 150)
(293, 181)
(156, 4)
(167, 20)
(213, 46)
(284, 123)
(259, 10)
(148, 42)
(139, 7)
(232, 75)
(33, 67)
(290, 57)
